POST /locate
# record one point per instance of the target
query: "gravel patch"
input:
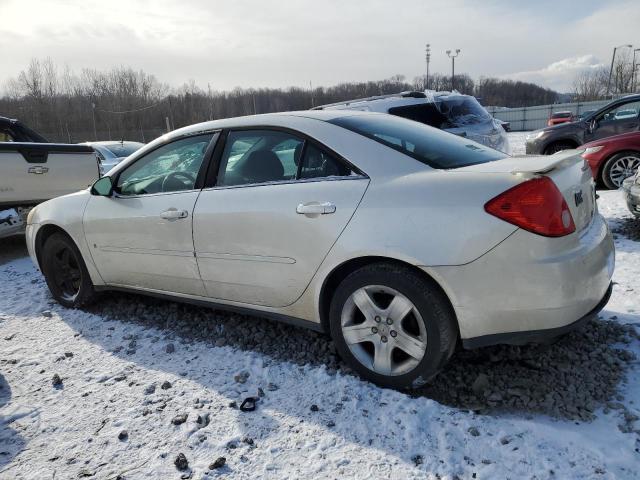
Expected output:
(627, 227)
(569, 379)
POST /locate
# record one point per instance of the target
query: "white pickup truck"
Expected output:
(33, 170)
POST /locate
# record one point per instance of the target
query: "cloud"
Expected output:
(278, 43)
(558, 75)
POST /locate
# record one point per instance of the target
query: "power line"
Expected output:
(129, 111)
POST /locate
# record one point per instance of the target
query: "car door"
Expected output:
(141, 236)
(615, 121)
(279, 203)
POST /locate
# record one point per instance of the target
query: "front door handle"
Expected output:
(174, 214)
(315, 208)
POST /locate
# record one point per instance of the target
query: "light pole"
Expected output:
(453, 66)
(428, 59)
(613, 58)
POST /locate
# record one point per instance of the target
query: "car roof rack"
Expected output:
(406, 94)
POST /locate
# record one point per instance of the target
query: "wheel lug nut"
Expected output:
(383, 339)
(393, 333)
(377, 319)
(374, 330)
(389, 321)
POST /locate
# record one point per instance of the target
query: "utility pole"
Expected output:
(428, 59)
(453, 66)
(93, 113)
(633, 71)
(613, 58)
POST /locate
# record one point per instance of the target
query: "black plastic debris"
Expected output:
(249, 404)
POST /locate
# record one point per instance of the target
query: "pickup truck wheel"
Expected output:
(619, 167)
(392, 326)
(65, 272)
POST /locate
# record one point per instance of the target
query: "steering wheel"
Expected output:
(180, 177)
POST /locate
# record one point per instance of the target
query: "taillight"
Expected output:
(535, 205)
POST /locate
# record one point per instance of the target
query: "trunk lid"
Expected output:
(568, 170)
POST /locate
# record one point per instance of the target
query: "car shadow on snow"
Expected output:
(570, 378)
(12, 248)
(11, 442)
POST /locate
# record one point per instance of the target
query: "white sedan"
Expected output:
(397, 239)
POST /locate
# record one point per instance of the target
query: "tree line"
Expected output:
(123, 103)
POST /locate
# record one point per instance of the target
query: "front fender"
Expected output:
(61, 214)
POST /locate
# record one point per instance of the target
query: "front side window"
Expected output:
(263, 156)
(170, 168)
(5, 136)
(436, 148)
(627, 111)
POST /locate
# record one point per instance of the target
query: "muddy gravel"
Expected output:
(627, 227)
(571, 378)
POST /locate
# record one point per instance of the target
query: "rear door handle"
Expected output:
(315, 208)
(174, 214)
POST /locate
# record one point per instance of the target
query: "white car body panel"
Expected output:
(247, 236)
(247, 250)
(131, 245)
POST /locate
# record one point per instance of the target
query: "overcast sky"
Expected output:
(279, 43)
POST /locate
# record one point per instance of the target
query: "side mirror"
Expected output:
(103, 187)
(593, 124)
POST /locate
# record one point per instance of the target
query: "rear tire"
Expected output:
(402, 352)
(618, 167)
(65, 272)
(558, 147)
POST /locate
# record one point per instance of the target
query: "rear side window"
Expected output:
(426, 113)
(316, 163)
(428, 145)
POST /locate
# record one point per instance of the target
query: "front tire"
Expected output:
(558, 147)
(619, 167)
(392, 326)
(65, 272)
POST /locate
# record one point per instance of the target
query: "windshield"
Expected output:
(428, 145)
(123, 149)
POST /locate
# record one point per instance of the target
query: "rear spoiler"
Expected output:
(538, 165)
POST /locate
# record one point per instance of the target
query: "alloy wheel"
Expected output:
(384, 330)
(622, 168)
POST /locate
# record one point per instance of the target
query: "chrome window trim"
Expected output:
(146, 195)
(288, 182)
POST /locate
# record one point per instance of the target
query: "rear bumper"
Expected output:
(530, 283)
(536, 336)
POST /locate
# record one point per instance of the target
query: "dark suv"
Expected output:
(619, 116)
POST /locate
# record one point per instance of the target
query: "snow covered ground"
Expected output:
(517, 139)
(125, 388)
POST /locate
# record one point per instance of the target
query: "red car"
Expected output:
(560, 117)
(613, 159)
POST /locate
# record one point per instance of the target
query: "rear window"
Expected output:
(428, 145)
(561, 115)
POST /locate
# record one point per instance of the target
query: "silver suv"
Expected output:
(449, 111)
